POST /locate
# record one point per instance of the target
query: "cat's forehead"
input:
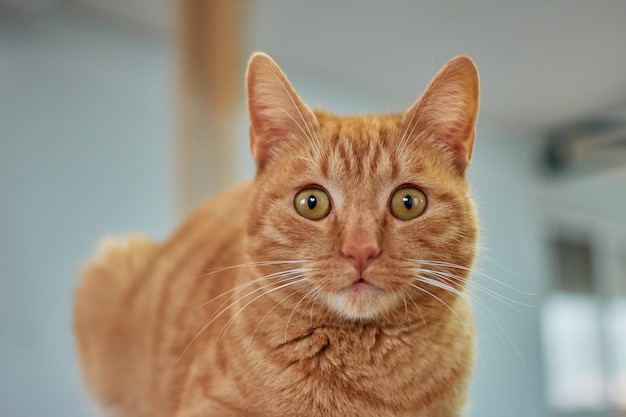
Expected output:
(358, 128)
(367, 151)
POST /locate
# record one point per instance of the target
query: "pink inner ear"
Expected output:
(269, 126)
(461, 154)
(448, 109)
(264, 149)
(459, 139)
(268, 133)
(452, 135)
(276, 111)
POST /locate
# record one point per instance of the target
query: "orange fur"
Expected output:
(251, 309)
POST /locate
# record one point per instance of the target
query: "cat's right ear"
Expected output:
(276, 111)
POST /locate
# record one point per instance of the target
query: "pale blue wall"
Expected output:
(85, 122)
(508, 380)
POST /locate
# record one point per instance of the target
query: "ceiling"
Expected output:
(541, 63)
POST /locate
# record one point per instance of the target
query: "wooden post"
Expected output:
(210, 34)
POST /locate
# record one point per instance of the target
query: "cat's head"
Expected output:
(370, 214)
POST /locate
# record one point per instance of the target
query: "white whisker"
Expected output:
(240, 287)
(317, 296)
(291, 276)
(294, 310)
(455, 279)
(230, 321)
(469, 332)
(406, 308)
(265, 316)
(249, 265)
(471, 270)
(492, 318)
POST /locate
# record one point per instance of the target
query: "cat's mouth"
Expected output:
(361, 285)
(360, 300)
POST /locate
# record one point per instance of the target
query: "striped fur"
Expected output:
(250, 309)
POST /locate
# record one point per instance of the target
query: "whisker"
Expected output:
(280, 281)
(406, 308)
(441, 301)
(499, 265)
(317, 296)
(473, 271)
(236, 289)
(451, 278)
(469, 332)
(294, 310)
(221, 311)
(457, 292)
(234, 317)
(439, 284)
(493, 319)
(411, 298)
(265, 316)
(221, 307)
(248, 265)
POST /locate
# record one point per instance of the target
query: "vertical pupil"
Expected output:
(311, 202)
(408, 201)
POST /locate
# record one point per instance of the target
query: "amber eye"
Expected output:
(312, 203)
(407, 203)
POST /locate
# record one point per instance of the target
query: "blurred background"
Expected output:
(120, 115)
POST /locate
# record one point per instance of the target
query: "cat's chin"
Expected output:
(360, 301)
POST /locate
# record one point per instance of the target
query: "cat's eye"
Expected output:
(312, 203)
(407, 203)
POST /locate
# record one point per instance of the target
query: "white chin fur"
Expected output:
(359, 307)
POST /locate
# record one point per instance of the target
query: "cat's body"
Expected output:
(259, 307)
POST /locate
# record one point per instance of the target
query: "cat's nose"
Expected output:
(361, 255)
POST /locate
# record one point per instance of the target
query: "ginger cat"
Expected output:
(332, 284)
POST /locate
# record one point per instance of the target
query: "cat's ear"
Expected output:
(276, 111)
(448, 109)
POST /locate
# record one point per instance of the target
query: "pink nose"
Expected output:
(360, 255)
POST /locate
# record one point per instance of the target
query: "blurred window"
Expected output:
(615, 322)
(583, 325)
(573, 265)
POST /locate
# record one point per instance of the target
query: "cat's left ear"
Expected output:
(447, 111)
(277, 113)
